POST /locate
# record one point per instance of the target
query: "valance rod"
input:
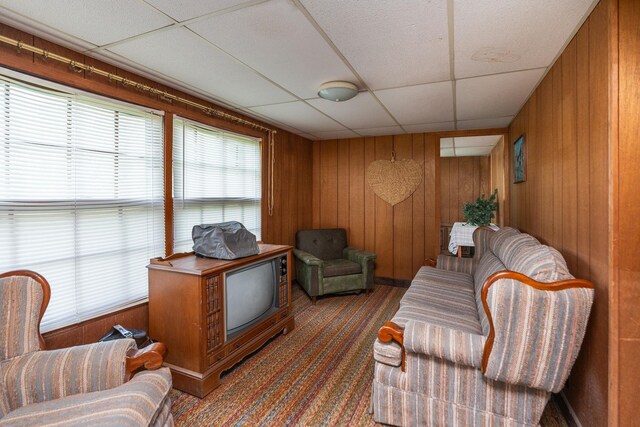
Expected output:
(164, 95)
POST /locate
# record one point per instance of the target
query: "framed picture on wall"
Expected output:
(519, 160)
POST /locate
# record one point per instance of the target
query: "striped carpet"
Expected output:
(319, 374)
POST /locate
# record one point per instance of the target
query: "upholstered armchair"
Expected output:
(326, 265)
(83, 385)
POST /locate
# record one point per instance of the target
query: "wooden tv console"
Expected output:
(187, 313)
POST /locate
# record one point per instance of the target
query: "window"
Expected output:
(81, 197)
(216, 178)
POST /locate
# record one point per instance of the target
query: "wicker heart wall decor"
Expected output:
(394, 180)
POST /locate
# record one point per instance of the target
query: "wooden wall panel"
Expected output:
(462, 180)
(343, 184)
(432, 219)
(329, 184)
(498, 178)
(357, 187)
(403, 220)
(384, 217)
(626, 378)
(419, 206)
(564, 201)
(402, 235)
(568, 193)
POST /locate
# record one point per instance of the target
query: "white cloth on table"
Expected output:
(462, 235)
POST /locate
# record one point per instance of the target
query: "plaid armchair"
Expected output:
(83, 385)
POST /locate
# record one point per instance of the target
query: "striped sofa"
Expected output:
(483, 340)
(76, 386)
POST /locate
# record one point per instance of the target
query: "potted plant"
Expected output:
(480, 211)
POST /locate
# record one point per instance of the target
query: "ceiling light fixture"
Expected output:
(337, 91)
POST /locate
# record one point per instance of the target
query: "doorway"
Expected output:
(470, 166)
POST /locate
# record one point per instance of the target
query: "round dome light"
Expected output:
(337, 91)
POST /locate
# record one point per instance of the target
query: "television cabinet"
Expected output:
(187, 305)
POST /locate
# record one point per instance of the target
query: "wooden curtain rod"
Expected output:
(164, 95)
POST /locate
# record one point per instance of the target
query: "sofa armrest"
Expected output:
(456, 346)
(462, 265)
(535, 329)
(142, 401)
(307, 258)
(149, 357)
(46, 375)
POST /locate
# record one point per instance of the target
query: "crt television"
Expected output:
(251, 293)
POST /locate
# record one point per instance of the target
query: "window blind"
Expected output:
(216, 178)
(81, 197)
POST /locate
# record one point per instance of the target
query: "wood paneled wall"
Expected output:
(462, 180)
(499, 173)
(625, 304)
(402, 235)
(292, 172)
(564, 201)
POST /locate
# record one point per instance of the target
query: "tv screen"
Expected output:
(249, 294)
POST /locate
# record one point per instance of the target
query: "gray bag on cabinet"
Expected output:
(225, 240)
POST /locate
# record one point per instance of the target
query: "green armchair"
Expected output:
(326, 265)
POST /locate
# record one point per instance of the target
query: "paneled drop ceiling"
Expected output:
(420, 65)
(468, 145)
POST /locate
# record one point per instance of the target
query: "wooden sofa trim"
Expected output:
(150, 357)
(391, 331)
(46, 294)
(507, 274)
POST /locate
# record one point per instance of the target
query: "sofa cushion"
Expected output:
(539, 262)
(340, 267)
(498, 237)
(462, 318)
(142, 401)
(489, 264)
(507, 250)
(440, 290)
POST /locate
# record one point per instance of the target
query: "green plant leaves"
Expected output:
(480, 211)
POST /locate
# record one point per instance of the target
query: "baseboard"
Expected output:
(566, 409)
(389, 281)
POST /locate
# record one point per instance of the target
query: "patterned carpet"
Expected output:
(319, 374)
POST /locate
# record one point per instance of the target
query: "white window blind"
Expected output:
(81, 197)
(216, 178)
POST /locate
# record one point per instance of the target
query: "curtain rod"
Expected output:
(164, 95)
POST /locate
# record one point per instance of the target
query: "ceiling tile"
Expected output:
(51, 34)
(511, 34)
(196, 63)
(428, 103)
(447, 152)
(477, 141)
(430, 127)
(360, 112)
(340, 134)
(390, 43)
(500, 122)
(291, 53)
(181, 10)
(446, 142)
(299, 115)
(98, 22)
(495, 96)
(390, 130)
(473, 151)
